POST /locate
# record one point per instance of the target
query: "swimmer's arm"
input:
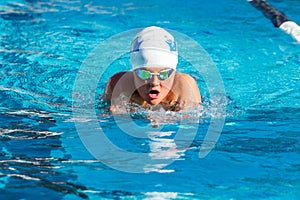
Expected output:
(111, 86)
(109, 90)
(118, 90)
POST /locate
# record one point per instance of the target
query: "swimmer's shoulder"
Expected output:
(186, 87)
(122, 76)
(123, 79)
(117, 76)
(183, 79)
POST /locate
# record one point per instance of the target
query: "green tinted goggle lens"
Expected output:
(146, 75)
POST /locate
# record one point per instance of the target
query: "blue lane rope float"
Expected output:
(278, 19)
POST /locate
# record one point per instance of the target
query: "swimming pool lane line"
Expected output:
(278, 19)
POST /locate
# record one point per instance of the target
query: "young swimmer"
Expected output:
(153, 82)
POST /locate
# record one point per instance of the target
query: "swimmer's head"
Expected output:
(153, 57)
(153, 47)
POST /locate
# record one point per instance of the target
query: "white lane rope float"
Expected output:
(278, 19)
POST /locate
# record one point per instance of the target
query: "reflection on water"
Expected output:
(162, 148)
(135, 145)
(42, 149)
(147, 140)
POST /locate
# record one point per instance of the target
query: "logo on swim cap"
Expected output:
(136, 46)
(172, 44)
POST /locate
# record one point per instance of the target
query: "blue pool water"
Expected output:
(44, 46)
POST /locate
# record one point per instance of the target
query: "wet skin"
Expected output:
(175, 93)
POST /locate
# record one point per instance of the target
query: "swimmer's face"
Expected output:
(153, 84)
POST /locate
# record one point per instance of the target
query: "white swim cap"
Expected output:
(153, 47)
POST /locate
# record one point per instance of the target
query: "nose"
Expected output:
(154, 81)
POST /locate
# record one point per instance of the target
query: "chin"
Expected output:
(154, 102)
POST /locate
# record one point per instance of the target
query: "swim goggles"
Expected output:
(146, 75)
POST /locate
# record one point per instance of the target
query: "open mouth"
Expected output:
(153, 94)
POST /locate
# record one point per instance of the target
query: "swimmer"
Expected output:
(278, 19)
(153, 82)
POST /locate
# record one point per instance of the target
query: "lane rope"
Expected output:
(278, 18)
